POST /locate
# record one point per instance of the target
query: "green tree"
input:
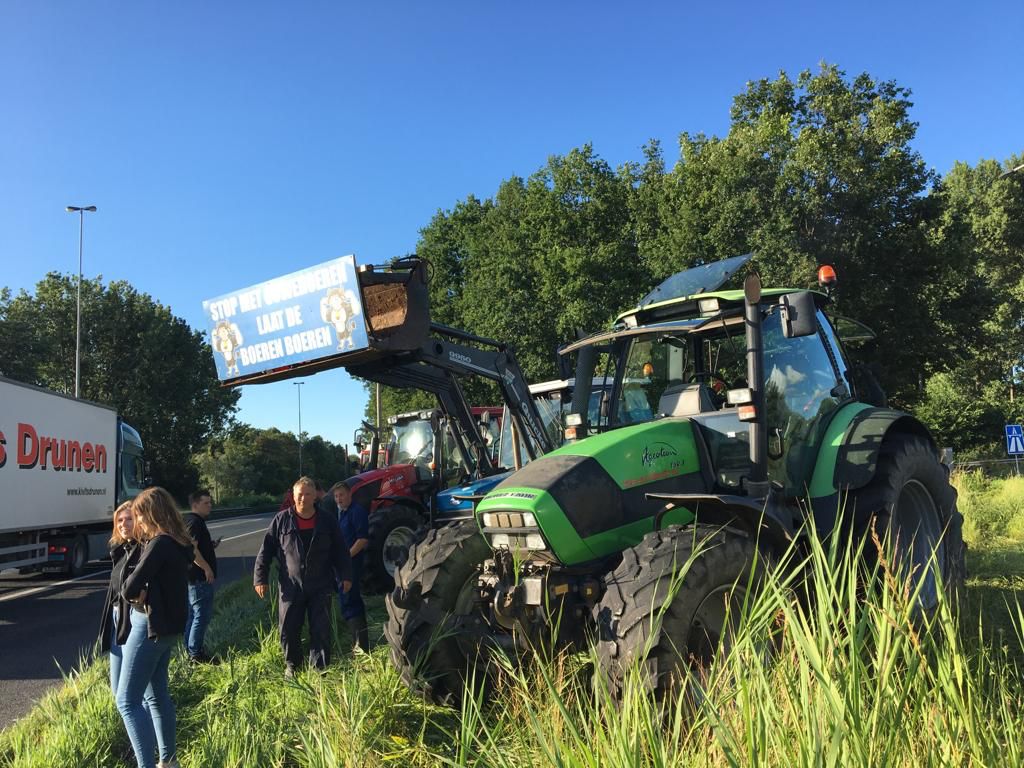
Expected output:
(135, 356)
(819, 170)
(246, 461)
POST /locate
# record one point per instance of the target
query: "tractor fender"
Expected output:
(856, 460)
(404, 501)
(758, 516)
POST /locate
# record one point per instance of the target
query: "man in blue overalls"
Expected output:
(312, 560)
(355, 527)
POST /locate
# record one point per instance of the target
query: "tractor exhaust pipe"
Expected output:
(757, 484)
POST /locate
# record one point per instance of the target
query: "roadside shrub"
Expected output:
(992, 508)
(248, 500)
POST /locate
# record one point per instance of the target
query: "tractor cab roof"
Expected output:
(693, 293)
(406, 418)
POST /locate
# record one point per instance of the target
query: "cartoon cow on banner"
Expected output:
(339, 309)
(227, 339)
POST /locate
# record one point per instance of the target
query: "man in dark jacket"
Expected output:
(355, 526)
(201, 576)
(312, 559)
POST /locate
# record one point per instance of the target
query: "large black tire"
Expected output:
(910, 502)
(393, 529)
(669, 637)
(434, 596)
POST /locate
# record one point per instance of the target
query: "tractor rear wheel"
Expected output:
(669, 629)
(436, 592)
(911, 507)
(393, 529)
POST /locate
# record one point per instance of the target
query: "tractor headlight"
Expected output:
(509, 520)
(516, 531)
(532, 542)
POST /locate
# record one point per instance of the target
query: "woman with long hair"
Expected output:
(158, 593)
(124, 556)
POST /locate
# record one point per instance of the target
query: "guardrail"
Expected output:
(990, 467)
(224, 513)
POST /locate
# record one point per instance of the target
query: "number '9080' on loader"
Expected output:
(729, 417)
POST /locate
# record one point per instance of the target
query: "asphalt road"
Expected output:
(48, 622)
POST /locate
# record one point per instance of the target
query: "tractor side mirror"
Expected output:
(798, 318)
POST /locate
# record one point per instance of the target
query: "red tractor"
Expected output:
(400, 495)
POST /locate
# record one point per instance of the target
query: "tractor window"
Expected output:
(413, 443)
(454, 464)
(837, 350)
(716, 359)
(653, 365)
(551, 409)
(800, 392)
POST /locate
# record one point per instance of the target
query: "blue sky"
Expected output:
(227, 143)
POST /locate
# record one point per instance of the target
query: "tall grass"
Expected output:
(993, 508)
(851, 680)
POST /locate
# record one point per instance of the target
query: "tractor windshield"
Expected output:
(663, 366)
(412, 442)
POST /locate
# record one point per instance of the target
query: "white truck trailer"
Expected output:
(65, 465)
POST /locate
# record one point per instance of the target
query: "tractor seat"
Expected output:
(686, 400)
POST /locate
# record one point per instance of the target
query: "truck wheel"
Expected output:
(911, 502)
(77, 556)
(672, 636)
(393, 529)
(436, 592)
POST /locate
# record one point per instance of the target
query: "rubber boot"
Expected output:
(360, 633)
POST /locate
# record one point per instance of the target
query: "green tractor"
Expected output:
(728, 417)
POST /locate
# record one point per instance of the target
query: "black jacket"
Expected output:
(163, 572)
(318, 570)
(124, 558)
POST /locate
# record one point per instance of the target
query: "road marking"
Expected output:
(43, 588)
(250, 533)
(234, 520)
(34, 590)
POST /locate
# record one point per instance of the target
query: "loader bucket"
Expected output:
(332, 315)
(397, 307)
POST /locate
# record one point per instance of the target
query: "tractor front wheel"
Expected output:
(673, 604)
(910, 508)
(393, 529)
(435, 596)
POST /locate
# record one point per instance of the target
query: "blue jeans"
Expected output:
(142, 695)
(200, 611)
(115, 655)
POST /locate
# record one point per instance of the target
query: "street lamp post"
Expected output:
(80, 210)
(299, 390)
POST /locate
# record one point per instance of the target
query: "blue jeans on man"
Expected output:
(200, 611)
(142, 695)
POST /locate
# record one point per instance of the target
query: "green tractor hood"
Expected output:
(589, 498)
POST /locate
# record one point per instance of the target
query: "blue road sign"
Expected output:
(1014, 439)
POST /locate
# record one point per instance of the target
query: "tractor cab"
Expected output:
(424, 440)
(687, 357)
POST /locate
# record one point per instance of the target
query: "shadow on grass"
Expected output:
(995, 588)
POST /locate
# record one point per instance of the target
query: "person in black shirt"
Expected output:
(114, 622)
(201, 576)
(157, 591)
(312, 559)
